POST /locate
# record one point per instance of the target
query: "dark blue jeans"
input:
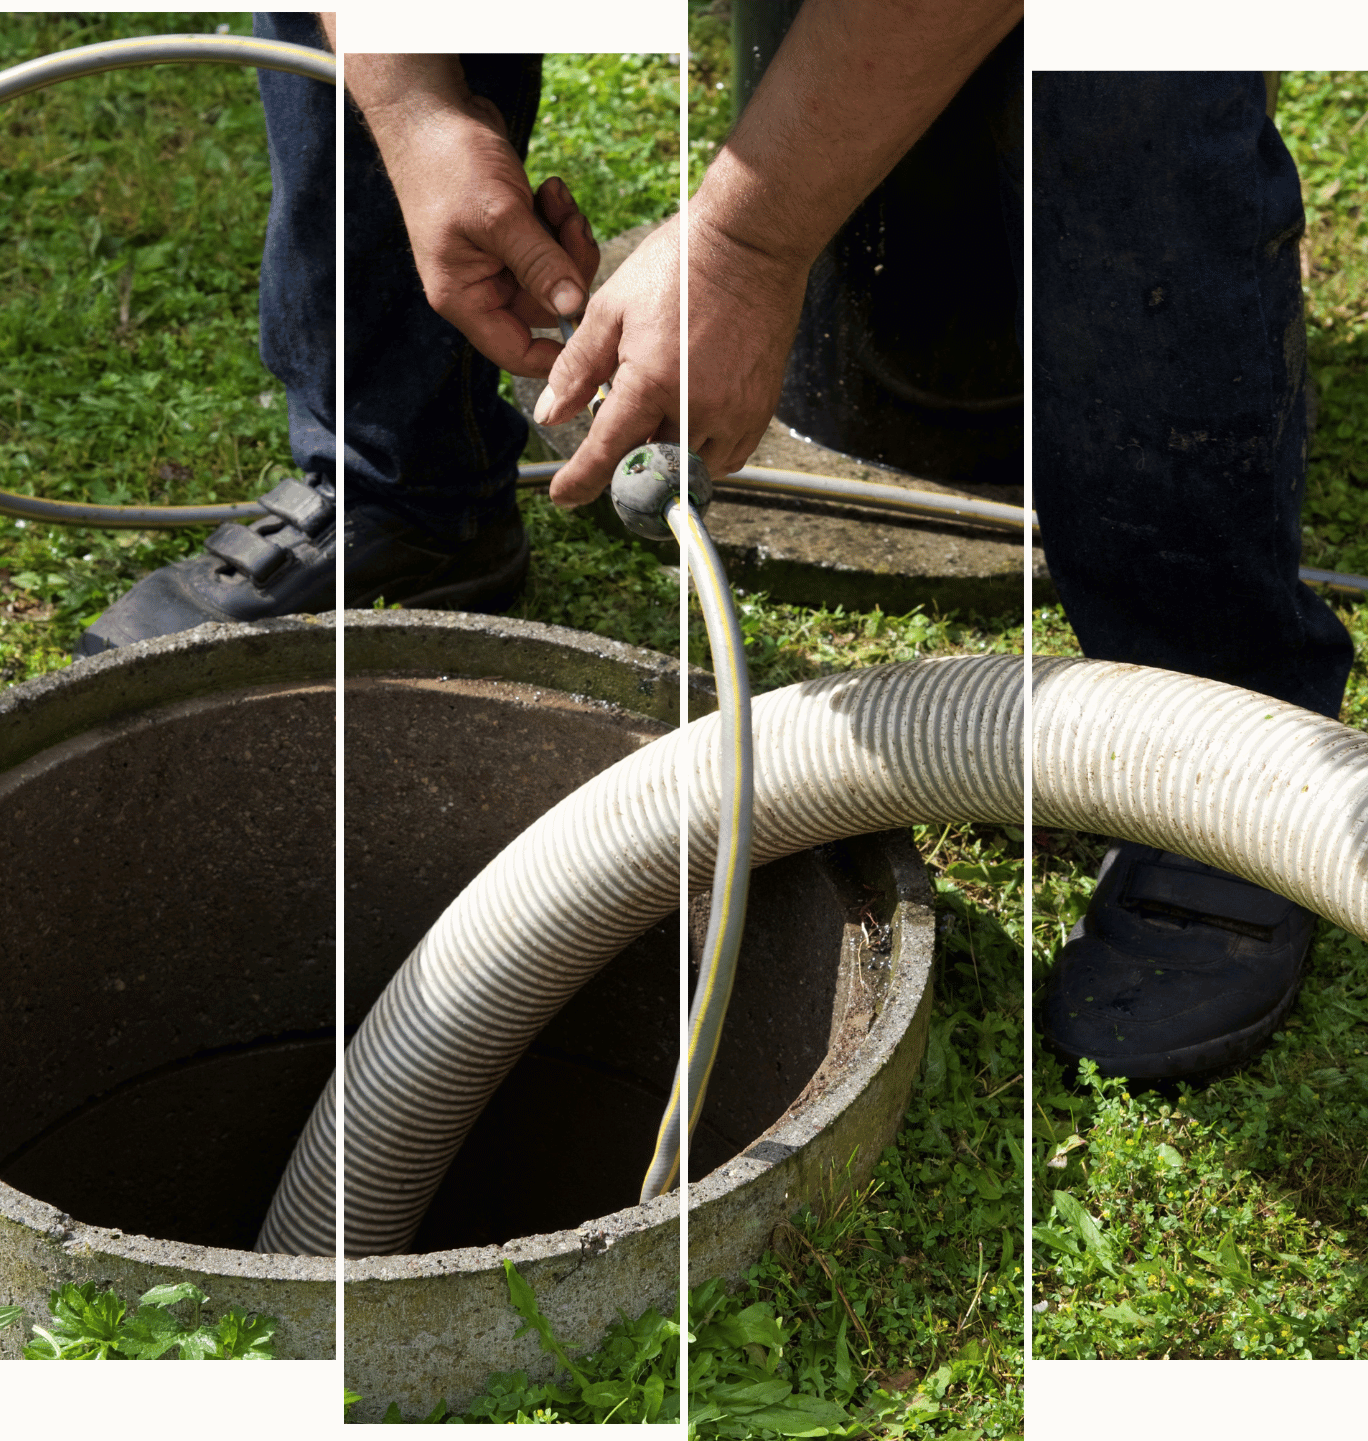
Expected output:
(425, 433)
(1169, 380)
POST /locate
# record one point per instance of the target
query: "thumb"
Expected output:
(539, 265)
(588, 359)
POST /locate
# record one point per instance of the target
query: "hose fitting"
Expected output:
(647, 479)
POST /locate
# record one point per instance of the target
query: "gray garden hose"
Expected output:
(124, 517)
(731, 868)
(900, 500)
(162, 50)
(648, 486)
(126, 55)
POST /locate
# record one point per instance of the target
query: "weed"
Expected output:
(740, 1384)
(91, 1325)
(631, 1379)
(904, 1300)
(1183, 1250)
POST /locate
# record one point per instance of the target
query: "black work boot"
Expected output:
(282, 564)
(1176, 969)
(386, 556)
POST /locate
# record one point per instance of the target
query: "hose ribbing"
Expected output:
(1276, 794)
(1257, 787)
(302, 1219)
(870, 750)
(835, 757)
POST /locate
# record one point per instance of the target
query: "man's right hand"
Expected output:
(479, 236)
(743, 313)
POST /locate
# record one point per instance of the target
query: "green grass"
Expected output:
(1322, 119)
(132, 207)
(609, 125)
(147, 190)
(585, 579)
(710, 84)
(904, 1301)
(1233, 1222)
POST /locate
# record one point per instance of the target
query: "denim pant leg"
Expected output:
(1006, 123)
(1169, 364)
(426, 434)
(298, 267)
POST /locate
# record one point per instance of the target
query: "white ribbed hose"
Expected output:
(1276, 794)
(865, 751)
(1273, 793)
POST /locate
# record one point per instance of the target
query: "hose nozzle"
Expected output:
(647, 479)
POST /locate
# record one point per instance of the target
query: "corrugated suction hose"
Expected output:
(869, 750)
(1276, 794)
(1268, 791)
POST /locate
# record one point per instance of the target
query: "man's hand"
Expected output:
(632, 324)
(743, 314)
(479, 236)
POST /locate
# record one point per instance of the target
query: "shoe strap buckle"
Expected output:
(244, 550)
(1219, 900)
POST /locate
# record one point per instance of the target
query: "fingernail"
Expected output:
(588, 229)
(546, 403)
(567, 298)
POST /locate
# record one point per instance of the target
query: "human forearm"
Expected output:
(853, 87)
(396, 93)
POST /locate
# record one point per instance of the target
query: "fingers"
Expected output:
(511, 231)
(480, 314)
(638, 408)
(726, 457)
(556, 205)
(538, 267)
(558, 213)
(582, 366)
